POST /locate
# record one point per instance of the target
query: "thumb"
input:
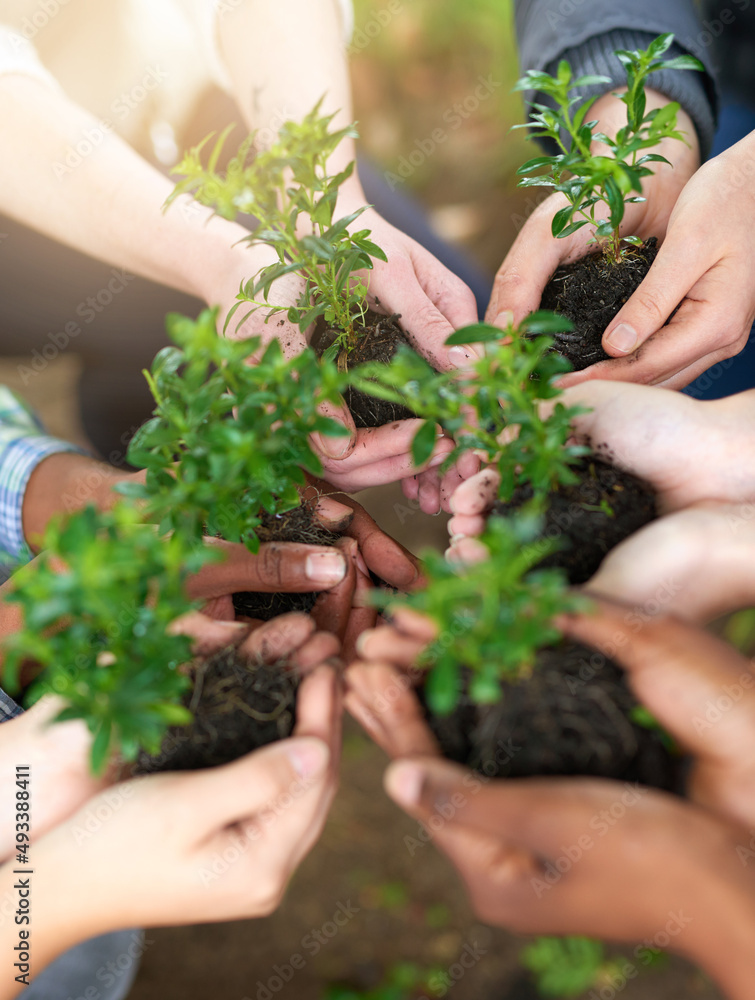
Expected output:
(258, 781)
(673, 273)
(331, 446)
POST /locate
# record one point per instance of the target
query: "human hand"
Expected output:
(702, 264)
(651, 433)
(536, 254)
(697, 686)
(591, 857)
(164, 858)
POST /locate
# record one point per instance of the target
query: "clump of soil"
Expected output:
(297, 525)
(591, 292)
(572, 716)
(379, 338)
(238, 705)
(575, 517)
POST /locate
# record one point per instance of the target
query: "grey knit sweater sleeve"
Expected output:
(587, 32)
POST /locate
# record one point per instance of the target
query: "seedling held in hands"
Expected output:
(287, 188)
(98, 606)
(613, 178)
(229, 441)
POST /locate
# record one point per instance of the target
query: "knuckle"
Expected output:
(272, 562)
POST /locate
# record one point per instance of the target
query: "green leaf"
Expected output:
(561, 219)
(683, 62)
(544, 322)
(475, 333)
(101, 747)
(423, 444)
(660, 45)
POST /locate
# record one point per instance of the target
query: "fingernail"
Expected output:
(462, 357)
(504, 319)
(325, 567)
(334, 447)
(437, 460)
(403, 783)
(362, 564)
(309, 759)
(623, 338)
(361, 644)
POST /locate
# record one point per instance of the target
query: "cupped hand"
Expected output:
(697, 686)
(536, 254)
(212, 845)
(589, 857)
(704, 265)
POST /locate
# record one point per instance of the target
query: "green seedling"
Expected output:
(229, 442)
(612, 177)
(98, 606)
(288, 189)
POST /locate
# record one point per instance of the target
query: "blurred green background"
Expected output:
(416, 67)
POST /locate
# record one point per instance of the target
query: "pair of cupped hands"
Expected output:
(514, 843)
(703, 217)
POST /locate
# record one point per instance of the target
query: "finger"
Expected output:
(466, 526)
(535, 255)
(383, 701)
(321, 646)
(386, 643)
(681, 262)
(333, 607)
(257, 782)
(414, 623)
(677, 670)
(336, 448)
(467, 552)
(329, 512)
(278, 567)
(450, 481)
(374, 444)
(519, 812)
(279, 638)
(683, 345)
(478, 494)
(410, 487)
(383, 555)
(363, 616)
(208, 635)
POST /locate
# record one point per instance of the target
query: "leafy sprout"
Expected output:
(492, 616)
(97, 608)
(495, 408)
(403, 981)
(568, 966)
(288, 189)
(229, 441)
(591, 181)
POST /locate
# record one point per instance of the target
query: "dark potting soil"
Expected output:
(591, 292)
(238, 705)
(297, 525)
(575, 518)
(572, 716)
(379, 342)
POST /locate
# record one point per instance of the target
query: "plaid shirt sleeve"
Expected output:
(23, 445)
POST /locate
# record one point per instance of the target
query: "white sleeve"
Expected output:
(18, 55)
(207, 13)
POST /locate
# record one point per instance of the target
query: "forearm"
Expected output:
(109, 204)
(62, 484)
(282, 58)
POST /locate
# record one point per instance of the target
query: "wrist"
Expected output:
(63, 483)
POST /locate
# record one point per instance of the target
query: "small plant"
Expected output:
(614, 178)
(98, 605)
(404, 981)
(569, 966)
(289, 191)
(503, 391)
(493, 616)
(228, 441)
